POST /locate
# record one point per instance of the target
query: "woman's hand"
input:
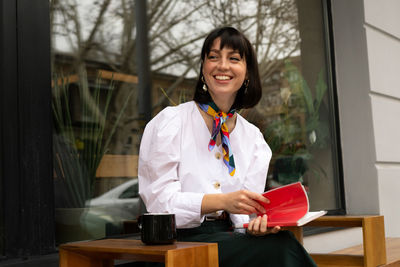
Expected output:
(259, 226)
(238, 202)
(243, 202)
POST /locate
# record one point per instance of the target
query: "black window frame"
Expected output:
(27, 196)
(335, 122)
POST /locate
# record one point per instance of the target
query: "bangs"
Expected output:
(234, 42)
(230, 38)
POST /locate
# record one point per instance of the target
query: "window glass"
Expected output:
(131, 192)
(97, 127)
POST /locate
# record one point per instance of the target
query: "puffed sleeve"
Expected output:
(256, 173)
(159, 158)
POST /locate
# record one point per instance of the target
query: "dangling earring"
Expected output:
(204, 84)
(246, 84)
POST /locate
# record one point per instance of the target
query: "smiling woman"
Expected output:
(179, 175)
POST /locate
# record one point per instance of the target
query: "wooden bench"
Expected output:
(102, 253)
(392, 251)
(372, 253)
(374, 245)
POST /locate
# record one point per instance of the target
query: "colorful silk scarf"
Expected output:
(219, 125)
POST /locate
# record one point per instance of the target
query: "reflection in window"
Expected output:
(97, 127)
(131, 192)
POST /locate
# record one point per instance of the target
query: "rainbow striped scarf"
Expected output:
(219, 125)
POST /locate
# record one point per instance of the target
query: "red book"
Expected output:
(288, 206)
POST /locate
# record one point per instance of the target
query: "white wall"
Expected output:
(382, 24)
(333, 241)
(367, 54)
(355, 112)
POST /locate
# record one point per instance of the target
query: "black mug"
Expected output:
(157, 228)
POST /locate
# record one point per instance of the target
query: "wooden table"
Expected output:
(103, 253)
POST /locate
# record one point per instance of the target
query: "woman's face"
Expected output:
(224, 72)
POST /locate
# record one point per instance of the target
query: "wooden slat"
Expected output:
(392, 251)
(338, 260)
(118, 166)
(116, 76)
(104, 74)
(66, 80)
(338, 221)
(102, 252)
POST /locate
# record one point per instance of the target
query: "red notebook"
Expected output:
(288, 206)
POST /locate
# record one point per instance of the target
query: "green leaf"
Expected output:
(308, 99)
(77, 168)
(320, 90)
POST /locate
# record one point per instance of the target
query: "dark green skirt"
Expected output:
(242, 250)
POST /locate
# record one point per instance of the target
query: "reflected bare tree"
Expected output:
(104, 31)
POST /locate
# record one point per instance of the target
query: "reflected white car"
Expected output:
(107, 212)
(124, 196)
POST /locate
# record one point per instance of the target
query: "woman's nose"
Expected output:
(223, 64)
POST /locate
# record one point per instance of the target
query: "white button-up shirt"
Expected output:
(176, 169)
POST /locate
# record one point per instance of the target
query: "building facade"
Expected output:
(367, 53)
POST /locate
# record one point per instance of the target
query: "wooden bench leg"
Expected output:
(196, 257)
(374, 241)
(69, 258)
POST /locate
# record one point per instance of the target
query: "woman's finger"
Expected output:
(275, 230)
(255, 197)
(250, 226)
(256, 225)
(258, 208)
(250, 198)
(263, 224)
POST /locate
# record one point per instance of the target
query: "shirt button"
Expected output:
(218, 155)
(217, 185)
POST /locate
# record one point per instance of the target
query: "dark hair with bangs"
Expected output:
(232, 38)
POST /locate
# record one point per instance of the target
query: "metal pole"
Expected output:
(142, 61)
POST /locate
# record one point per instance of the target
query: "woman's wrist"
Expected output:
(212, 203)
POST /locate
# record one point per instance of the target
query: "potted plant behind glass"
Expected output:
(298, 129)
(75, 161)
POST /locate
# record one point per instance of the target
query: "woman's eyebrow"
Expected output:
(229, 52)
(215, 50)
(234, 52)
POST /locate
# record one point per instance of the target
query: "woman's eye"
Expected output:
(235, 58)
(212, 57)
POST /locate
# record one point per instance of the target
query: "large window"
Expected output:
(95, 98)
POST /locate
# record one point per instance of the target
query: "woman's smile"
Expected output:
(222, 77)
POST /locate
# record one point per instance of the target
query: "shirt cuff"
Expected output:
(239, 219)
